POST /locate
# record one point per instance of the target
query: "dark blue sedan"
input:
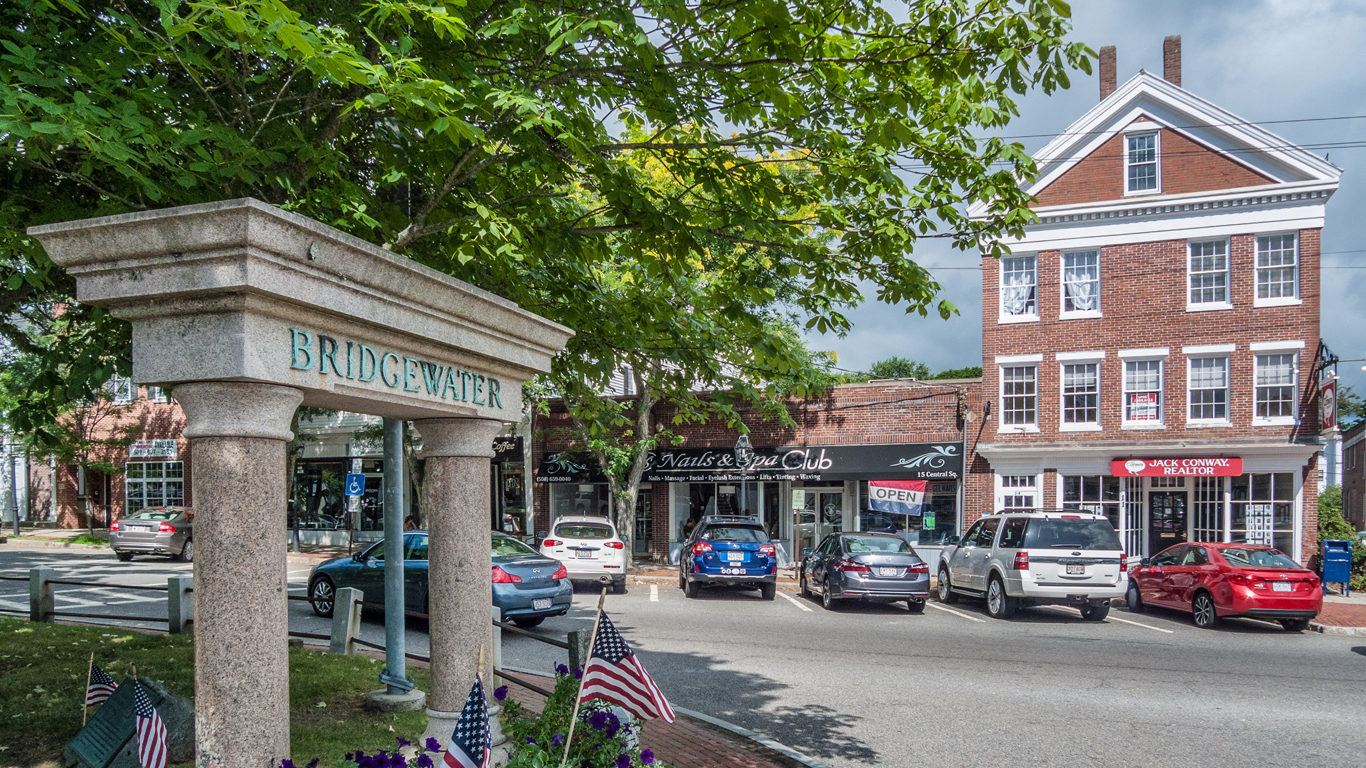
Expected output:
(527, 586)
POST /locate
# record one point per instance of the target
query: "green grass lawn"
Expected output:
(42, 687)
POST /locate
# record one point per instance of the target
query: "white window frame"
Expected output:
(1026, 317)
(1069, 314)
(1125, 421)
(1279, 301)
(1274, 348)
(159, 394)
(1207, 306)
(1157, 160)
(1216, 353)
(1065, 359)
(1016, 361)
(1004, 489)
(122, 389)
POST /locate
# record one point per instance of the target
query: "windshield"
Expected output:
(154, 514)
(506, 546)
(859, 544)
(1258, 558)
(741, 534)
(583, 531)
(1046, 533)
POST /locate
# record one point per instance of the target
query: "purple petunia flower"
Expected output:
(530, 740)
(646, 757)
(623, 761)
(557, 740)
(286, 763)
(431, 745)
(613, 725)
(402, 742)
(500, 693)
(313, 763)
(561, 669)
(423, 761)
(598, 720)
(578, 673)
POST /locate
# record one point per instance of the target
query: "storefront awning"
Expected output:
(906, 461)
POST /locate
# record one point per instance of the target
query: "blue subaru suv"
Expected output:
(729, 550)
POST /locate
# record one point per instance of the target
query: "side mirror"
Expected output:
(356, 557)
(806, 551)
(1145, 561)
(950, 539)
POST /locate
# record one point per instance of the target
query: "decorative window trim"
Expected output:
(1008, 359)
(1001, 426)
(1077, 314)
(1161, 421)
(1209, 349)
(1278, 421)
(1098, 354)
(1211, 306)
(1215, 354)
(1147, 352)
(1275, 346)
(1156, 133)
(1279, 301)
(1024, 317)
(1077, 426)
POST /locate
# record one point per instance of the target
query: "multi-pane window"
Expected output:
(1208, 389)
(1018, 493)
(1209, 272)
(1207, 507)
(1275, 384)
(159, 394)
(1019, 285)
(1019, 395)
(1142, 160)
(123, 389)
(1080, 393)
(153, 484)
(1263, 510)
(1081, 282)
(1277, 267)
(1143, 390)
(1097, 494)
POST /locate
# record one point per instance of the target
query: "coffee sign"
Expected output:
(1217, 466)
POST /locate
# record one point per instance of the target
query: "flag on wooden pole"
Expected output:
(615, 674)
(151, 732)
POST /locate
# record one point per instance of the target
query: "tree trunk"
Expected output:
(414, 468)
(625, 490)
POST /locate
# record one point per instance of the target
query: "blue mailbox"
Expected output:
(1337, 562)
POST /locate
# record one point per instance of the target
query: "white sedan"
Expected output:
(590, 550)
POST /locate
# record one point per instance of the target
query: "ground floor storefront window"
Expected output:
(937, 524)
(580, 499)
(153, 484)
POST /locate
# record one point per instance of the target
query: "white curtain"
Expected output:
(1081, 288)
(1018, 296)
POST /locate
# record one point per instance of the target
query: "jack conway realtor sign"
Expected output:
(1217, 466)
(910, 461)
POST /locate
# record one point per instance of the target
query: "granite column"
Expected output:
(237, 433)
(459, 595)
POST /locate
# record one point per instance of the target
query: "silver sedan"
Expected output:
(154, 531)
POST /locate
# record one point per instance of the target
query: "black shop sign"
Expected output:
(812, 463)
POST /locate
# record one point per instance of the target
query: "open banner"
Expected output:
(900, 497)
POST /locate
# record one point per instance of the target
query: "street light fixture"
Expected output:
(744, 453)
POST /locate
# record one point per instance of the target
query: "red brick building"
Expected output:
(1149, 345)
(1354, 475)
(821, 467)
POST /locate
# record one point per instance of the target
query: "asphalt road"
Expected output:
(877, 685)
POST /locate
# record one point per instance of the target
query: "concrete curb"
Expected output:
(757, 738)
(54, 544)
(1330, 629)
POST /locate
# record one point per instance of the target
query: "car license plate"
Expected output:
(540, 604)
(735, 557)
(583, 554)
(1281, 586)
(886, 571)
(1076, 570)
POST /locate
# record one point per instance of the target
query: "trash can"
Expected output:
(1337, 563)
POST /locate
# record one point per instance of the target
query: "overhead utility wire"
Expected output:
(1192, 126)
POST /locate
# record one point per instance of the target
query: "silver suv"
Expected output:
(1037, 558)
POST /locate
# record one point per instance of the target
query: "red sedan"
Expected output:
(1215, 581)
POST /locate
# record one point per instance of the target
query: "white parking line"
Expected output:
(795, 601)
(1112, 617)
(654, 593)
(939, 607)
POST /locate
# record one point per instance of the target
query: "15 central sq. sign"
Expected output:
(382, 368)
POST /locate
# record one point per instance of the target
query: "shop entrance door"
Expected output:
(822, 515)
(1166, 519)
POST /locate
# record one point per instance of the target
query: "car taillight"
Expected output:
(501, 576)
(701, 547)
(1313, 582)
(1123, 563)
(1240, 579)
(851, 566)
(1021, 561)
(615, 544)
(165, 528)
(922, 568)
(768, 549)
(551, 543)
(561, 573)
(114, 526)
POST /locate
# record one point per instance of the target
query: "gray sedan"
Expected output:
(154, 531)
(869, 566)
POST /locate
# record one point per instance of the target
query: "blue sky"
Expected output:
(1270, 60)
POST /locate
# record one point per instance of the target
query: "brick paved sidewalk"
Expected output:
(684, 743)
(1342, 615)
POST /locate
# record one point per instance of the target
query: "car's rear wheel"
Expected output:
(324, 596)
(1134, 599)
(682, 582)
(1096, 611)
(806, 591)
(124, 556)
(827, 602)
(619, 586)
(187, 551)
(1295, 625)
(916, 606)
(946, 593)
(768, 591)
(999, 604)
(1202, 609)
(689, 588)
(527, 622)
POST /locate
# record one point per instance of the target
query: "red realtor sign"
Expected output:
(1219, 466)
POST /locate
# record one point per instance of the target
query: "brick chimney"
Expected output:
(1171, 60)
(1108, 83)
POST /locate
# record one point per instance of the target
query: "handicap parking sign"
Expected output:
(355, 485)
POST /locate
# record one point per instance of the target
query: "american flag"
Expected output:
(151, 731)
(101, 687)
(472, 744)
(615, 674)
